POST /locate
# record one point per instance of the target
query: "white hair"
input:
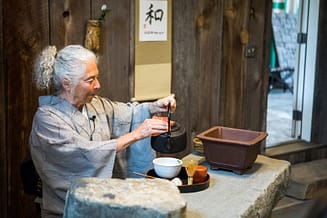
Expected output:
(70, 63)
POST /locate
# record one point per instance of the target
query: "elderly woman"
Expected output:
(76, 133)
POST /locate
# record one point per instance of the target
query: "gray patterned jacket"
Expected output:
(66, 145)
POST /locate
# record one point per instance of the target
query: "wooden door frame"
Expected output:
(3, 113)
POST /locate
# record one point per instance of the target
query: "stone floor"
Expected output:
(279, 117)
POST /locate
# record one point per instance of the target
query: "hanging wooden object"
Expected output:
(93, 33)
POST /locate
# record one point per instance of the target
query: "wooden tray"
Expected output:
(183, 176)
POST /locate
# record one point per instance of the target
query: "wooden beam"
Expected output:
(26, 29)
(3, 112)
(197, 34)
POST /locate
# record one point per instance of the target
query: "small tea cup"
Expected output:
(200, 174)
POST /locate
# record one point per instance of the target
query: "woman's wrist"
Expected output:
(126, 140)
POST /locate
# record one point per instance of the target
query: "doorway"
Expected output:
(291, 81)
(285, 17)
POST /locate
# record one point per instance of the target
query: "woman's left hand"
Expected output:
(162, 104)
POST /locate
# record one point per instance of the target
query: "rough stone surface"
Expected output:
(308, 179)
(252, 194)
(95, 197)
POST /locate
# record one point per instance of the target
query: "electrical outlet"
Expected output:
(250, 51)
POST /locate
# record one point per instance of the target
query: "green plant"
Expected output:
(104, 12)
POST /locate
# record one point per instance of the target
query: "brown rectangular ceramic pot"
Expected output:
(230, 148)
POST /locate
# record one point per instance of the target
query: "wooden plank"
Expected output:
(197, 40)
(183, 61)
(68, 21)
(114, 62)
(233, 76)
(25, 33)
(257, 69)
(132, 30)
(319, 115)
(245, 80)
(68, 26)
(209, 24)
(3, 112)
(256, 74)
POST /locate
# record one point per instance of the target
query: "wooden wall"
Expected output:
(214, 83)
(25, 31)
(197, 62)
(319, 115)
(3, 142)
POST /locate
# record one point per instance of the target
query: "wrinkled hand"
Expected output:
(162, 104)
(151, 127)
(164, 119)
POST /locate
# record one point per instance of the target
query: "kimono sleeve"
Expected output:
(57, 148)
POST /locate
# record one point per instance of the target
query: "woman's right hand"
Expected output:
(147, 128)
(151, 127)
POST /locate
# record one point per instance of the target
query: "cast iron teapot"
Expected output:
(172, 141)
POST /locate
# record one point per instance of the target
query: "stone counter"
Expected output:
(229, 195)
(111, 198)
(252, 194)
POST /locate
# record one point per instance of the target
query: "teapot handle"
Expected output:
(169, 117)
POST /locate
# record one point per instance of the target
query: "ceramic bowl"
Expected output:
(167, 167)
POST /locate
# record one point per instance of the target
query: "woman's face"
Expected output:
(86, 86)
